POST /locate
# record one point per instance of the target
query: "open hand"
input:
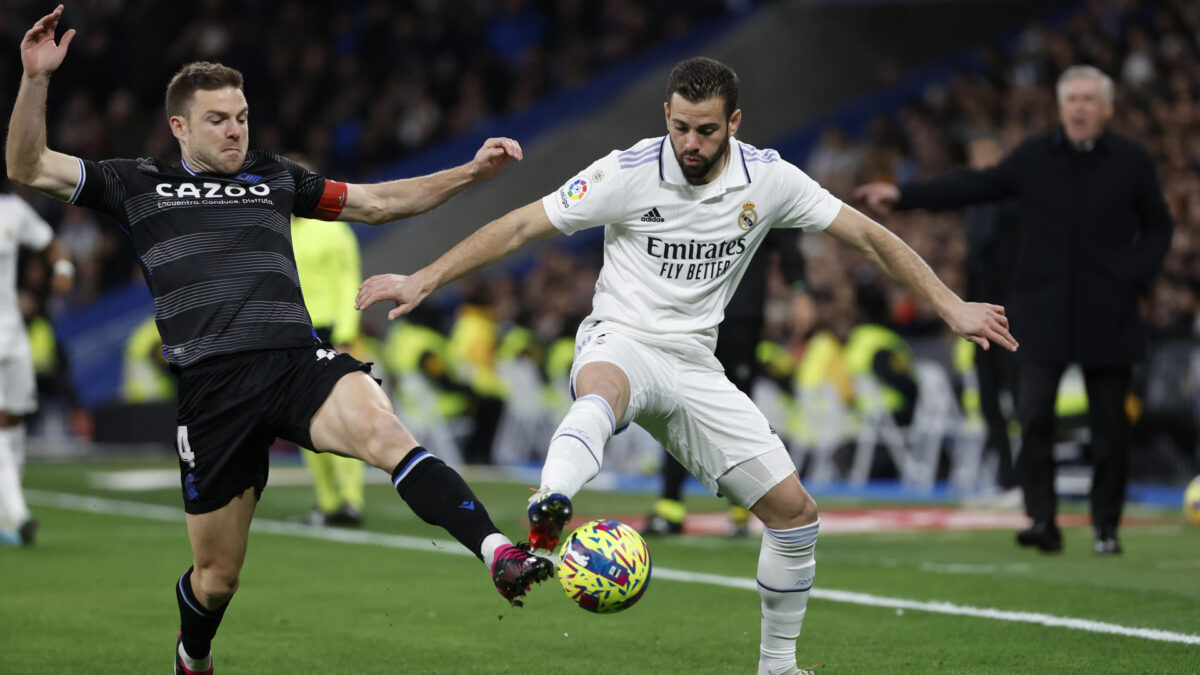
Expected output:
(493, 157)
(982, 324)
(406, 291)
(39, 53)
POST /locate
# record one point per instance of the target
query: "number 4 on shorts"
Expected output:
(184, 448)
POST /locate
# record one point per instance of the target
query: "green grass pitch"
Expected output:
(95, 595)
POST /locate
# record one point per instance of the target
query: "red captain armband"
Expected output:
(332, 201)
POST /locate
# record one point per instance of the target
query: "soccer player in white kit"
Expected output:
(683, 214)
(20, 226)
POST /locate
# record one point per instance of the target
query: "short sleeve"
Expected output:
(32, 231)
(102, 185)
(317, 197)
(806, 204)
(594, 197)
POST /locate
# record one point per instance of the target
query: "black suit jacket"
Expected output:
(1094, 230)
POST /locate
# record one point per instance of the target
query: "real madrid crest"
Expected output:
(748, 217)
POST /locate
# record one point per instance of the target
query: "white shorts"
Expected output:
(18, 385)
(688, 404)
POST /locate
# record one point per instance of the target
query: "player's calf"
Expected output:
(197, 626)
(439, 496)
(576, 450)
(786, 568)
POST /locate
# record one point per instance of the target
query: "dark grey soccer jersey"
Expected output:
(216, 250)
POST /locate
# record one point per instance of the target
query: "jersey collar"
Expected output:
(735, 176)
(192, 172)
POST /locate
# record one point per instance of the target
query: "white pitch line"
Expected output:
(101, 505)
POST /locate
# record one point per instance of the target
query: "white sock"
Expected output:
(488, 548)
(786, 566)
(577, 447)
(197, 665)
(13, 511)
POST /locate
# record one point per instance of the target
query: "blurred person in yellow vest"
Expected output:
(58, 411)
(521, 435)
(43, 346)
(145, 376)
(823, 358)
(472, 356)
(327, 259)
(777, 366)
(560, 356)
(415, 347)
(874, 349)
(822, 363)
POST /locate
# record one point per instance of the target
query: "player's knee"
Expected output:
(787, 509)
(215, 584)
(808, 512)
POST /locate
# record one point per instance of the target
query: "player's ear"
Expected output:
(178, 126)
(735, 120)
(667, 112)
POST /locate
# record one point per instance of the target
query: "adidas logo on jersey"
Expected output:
(653, 216)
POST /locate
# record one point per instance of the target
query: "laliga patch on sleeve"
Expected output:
(572, 193)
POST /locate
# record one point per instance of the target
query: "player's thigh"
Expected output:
(713, 426)
(607, 380)
(623, 370)
(219, 537)
(356, 420)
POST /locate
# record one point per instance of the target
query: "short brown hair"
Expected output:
(194, 76)
(700, 78)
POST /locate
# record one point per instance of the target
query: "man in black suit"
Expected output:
(1093, 233)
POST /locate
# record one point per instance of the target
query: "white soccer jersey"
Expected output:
(673, 252)
(20, 226)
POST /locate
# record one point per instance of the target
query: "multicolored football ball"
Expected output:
(604, 566)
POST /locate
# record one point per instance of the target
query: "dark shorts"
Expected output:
(231, 408)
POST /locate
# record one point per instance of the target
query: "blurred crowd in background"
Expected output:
(1152, 50)
(448, 66)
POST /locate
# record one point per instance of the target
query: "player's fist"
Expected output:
(493, 157)
(879, 196)
(40, 55)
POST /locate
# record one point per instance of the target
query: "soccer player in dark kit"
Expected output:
(213, 239)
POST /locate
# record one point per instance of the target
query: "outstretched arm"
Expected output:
(380, 203)
(978, 322)
(952, 191)
(485, 246)
(29, 161)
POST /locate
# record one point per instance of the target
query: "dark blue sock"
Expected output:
(440, 496)
(197, 623)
